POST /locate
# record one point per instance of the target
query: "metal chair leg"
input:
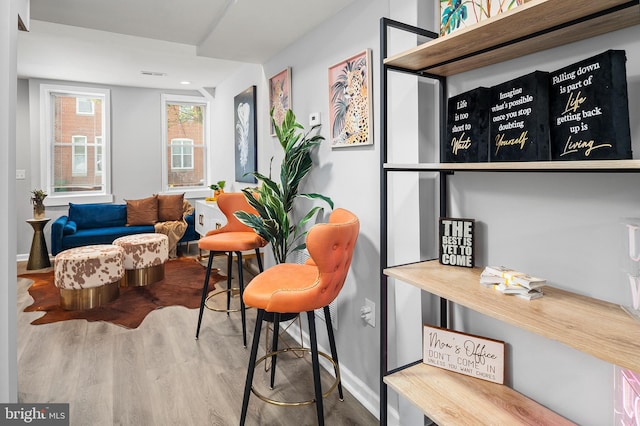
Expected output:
(229, 278)
(316, 367)
(252, 366)
(334, 352)
(274, 346)
(259, 259)
(243, 312)
(205, 290)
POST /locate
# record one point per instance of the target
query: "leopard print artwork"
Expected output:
(279, 102)
(356, 121)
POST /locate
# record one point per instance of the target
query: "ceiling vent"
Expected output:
(154, 73)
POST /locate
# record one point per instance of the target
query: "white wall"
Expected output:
(8, 342)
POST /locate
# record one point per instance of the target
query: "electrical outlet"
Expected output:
(368, 312)
(314, 119)
(21, 174)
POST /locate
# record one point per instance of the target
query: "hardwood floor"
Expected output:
(158, 374)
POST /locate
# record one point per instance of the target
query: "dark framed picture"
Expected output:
(457, 245)
(246, 138)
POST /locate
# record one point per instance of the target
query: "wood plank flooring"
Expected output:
(159, 374)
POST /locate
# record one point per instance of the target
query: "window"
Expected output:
(181, 154)
(84, 106)
(75, 144)
(79, 155)
(185, 141)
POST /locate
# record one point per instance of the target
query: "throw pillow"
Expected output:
(170, 207)
(143, 211)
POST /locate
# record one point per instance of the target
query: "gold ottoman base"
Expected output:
(88, 298)
(143, 276)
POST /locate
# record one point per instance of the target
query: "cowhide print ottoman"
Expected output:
(144, 258)
(88, 276)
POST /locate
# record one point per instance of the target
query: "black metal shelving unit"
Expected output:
(614, 13)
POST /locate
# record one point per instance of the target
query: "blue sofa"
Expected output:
(89, 224)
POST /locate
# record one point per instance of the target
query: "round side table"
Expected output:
(39, 255)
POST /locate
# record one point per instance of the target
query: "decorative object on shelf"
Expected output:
(589, 109)
(457, 242)
(246, 138)
(520, 119)
(632, 266)
(511, 282)
(455, 14)
(37, 199)
(218, 188)
(274, 201)
(279, 97)
(626, 405)
(463, 353)
(350, 101)
(467, 127)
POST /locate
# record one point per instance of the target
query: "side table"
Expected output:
(39, 255)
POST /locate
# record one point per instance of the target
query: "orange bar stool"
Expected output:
(234, 237)
(290, 287)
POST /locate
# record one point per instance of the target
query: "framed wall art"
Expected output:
(246, 138)
(350, 101)
(279, 97)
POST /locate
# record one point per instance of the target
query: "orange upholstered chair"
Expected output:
(234, 237)
(289, 287)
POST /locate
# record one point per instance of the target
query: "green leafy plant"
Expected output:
(218, 185)
(274, 201)
(38, 196)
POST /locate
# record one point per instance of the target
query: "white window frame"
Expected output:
(182, 143)
(192, 192)
(46, 146)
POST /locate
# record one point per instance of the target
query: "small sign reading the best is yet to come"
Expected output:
(463, 353)
(456, 242)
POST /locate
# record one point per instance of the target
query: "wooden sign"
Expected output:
(590, 109)
(519, 129)
(457, 242)
(464, 353)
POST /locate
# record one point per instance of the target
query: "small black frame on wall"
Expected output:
(246, 137)
(457, 242)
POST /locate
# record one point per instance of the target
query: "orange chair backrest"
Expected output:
(331, 246)
(231, 202)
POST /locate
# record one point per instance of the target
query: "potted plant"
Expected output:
(218, 188)
(37, 199)
(274, 201)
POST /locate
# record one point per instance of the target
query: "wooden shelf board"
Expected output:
(596, 327)
(549, 166)
(450, 398)
(464, 50)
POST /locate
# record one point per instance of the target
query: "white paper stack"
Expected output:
(512, 282)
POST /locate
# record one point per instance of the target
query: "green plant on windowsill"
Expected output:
(274, 201)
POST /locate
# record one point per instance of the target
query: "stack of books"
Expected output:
(512, 282)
